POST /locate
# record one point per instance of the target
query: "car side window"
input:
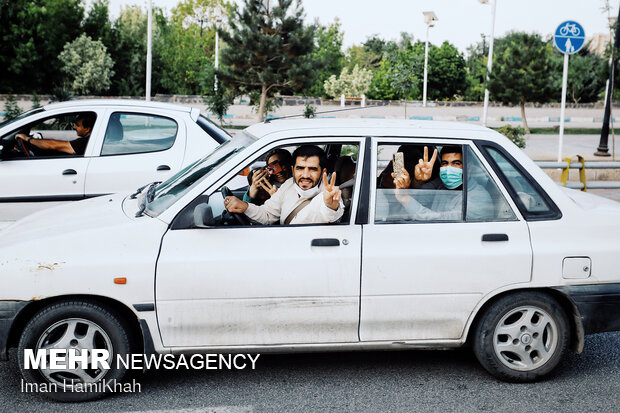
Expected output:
(58, 128)
(275, 169)
(413, 188)
(529, 197)
(485, 201)
(132, 133)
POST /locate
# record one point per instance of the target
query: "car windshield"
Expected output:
(170, 191)
(22, 116)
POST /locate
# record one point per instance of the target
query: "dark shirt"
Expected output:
(79, 145)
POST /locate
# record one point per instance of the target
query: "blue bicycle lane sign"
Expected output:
(569, 37)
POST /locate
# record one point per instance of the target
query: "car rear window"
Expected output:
(217, 133)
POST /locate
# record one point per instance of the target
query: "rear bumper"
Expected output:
(8, 313)
(598, 305)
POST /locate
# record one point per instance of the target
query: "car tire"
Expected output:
(82, 325)
(521, 337)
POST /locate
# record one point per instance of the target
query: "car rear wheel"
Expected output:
(521, 337)
(82, 326)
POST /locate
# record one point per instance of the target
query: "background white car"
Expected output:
(171, 272)
(132, 143)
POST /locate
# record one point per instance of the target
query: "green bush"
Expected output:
(515, 134)
(11, 109)
(310, 111)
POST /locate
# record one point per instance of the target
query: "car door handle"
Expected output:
(163, 168)
(494, 237)
(69, 172)
(325, 242)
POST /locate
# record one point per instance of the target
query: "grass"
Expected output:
(567, 131)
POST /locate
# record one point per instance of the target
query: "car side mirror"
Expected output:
(203, 216)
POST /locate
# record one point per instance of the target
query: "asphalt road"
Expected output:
(438, 381)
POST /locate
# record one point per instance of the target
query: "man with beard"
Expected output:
(296, 202)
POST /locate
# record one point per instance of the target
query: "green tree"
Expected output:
(87, 64)
(97, 23)
(268, 49)
(447, 73)
(32, 34)
(350, 83)
(129, 52)
(404, 79)
(476, 66)
(400, 73)
(522, 71)
(188, 44)
(587, 74)
(11, 109)
(327, 57)
(218, 99)
(36, 101)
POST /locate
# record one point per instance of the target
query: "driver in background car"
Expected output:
(83, 126)
(450, 178)
(266, 181)
(298, 200)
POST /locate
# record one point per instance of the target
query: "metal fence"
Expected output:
(582, 165)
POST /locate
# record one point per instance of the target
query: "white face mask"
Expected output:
(308, 193)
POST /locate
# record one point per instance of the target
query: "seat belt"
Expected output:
(294, 212)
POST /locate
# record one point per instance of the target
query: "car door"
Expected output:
(259, 284)
(424, 274)
(29, 184)
(136, 148)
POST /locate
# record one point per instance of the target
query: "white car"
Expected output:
(131, 144)
(521, 277)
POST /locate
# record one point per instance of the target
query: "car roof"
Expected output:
(80, 104)
(373, 127)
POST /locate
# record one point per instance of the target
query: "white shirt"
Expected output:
(285, 200)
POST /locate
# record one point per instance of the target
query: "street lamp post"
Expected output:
(429, 18)
(217, 51)
(489, 63)
(148, 51)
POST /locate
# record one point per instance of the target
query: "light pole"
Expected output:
(489, 63)
(218, 19)
(148, 51)
(429, 18)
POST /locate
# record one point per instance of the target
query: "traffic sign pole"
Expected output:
(569, 38)
(564, 85)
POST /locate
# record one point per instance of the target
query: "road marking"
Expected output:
(212, 409)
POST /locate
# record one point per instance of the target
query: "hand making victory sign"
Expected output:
(424, 168)
(331, 193)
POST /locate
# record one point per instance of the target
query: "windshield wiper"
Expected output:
(138, 191)
(147, 197)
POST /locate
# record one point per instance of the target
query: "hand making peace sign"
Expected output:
(331, 193)
(424, 168)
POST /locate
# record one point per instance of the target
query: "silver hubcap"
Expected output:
(525, 338)
(81, 335)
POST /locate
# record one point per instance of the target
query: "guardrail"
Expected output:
(582, 165)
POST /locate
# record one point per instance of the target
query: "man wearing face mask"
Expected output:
(306, 198)
(450, 178)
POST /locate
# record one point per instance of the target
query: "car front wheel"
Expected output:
(77, 327)
(521, 337)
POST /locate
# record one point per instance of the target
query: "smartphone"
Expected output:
(398, 163)
(273, 168)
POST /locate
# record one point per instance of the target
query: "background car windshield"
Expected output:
(178, 185)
